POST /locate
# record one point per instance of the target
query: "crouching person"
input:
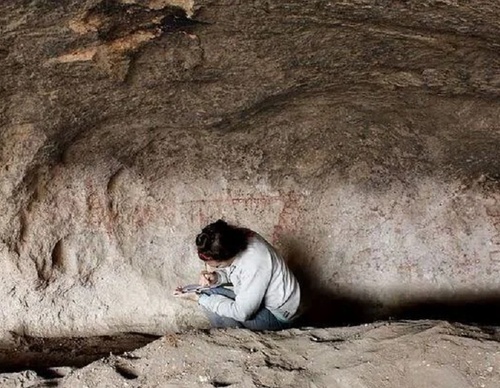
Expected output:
(265, 294)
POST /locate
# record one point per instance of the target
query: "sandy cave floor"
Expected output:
(384, 354)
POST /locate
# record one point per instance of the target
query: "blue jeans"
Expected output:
(262, 320)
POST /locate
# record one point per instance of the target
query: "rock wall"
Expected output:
(360, 137)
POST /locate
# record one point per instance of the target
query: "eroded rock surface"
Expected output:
(360, 137)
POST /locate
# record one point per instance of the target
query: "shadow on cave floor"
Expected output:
(41, 354)
(331, 310)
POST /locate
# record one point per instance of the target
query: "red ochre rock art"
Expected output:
(286, 219)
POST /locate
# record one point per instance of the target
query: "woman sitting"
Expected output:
(265, 294)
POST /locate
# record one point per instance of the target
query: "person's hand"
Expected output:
(186, 295)
(207, 278)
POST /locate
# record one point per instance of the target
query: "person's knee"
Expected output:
(220, 291)
(209, 291)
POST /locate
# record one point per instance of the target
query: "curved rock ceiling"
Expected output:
(361, 137)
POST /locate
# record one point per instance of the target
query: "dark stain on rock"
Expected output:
(121, 31)
(114, 20)
(3, 53)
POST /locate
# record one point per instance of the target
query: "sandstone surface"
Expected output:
(359, 136)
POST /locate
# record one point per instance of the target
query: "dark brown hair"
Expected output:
(220, 241)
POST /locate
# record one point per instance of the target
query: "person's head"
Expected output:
(219, 243)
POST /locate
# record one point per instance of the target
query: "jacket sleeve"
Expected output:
(255, 279)
(222, 277)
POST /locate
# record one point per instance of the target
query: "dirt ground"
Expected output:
(412, 354)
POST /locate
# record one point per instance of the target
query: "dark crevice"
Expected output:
(221, 384)
(48, 383)
(57, 256)
(40, 354)
(48, 373)
(126, 372)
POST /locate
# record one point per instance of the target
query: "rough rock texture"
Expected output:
(402, 354)
(359, 136)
